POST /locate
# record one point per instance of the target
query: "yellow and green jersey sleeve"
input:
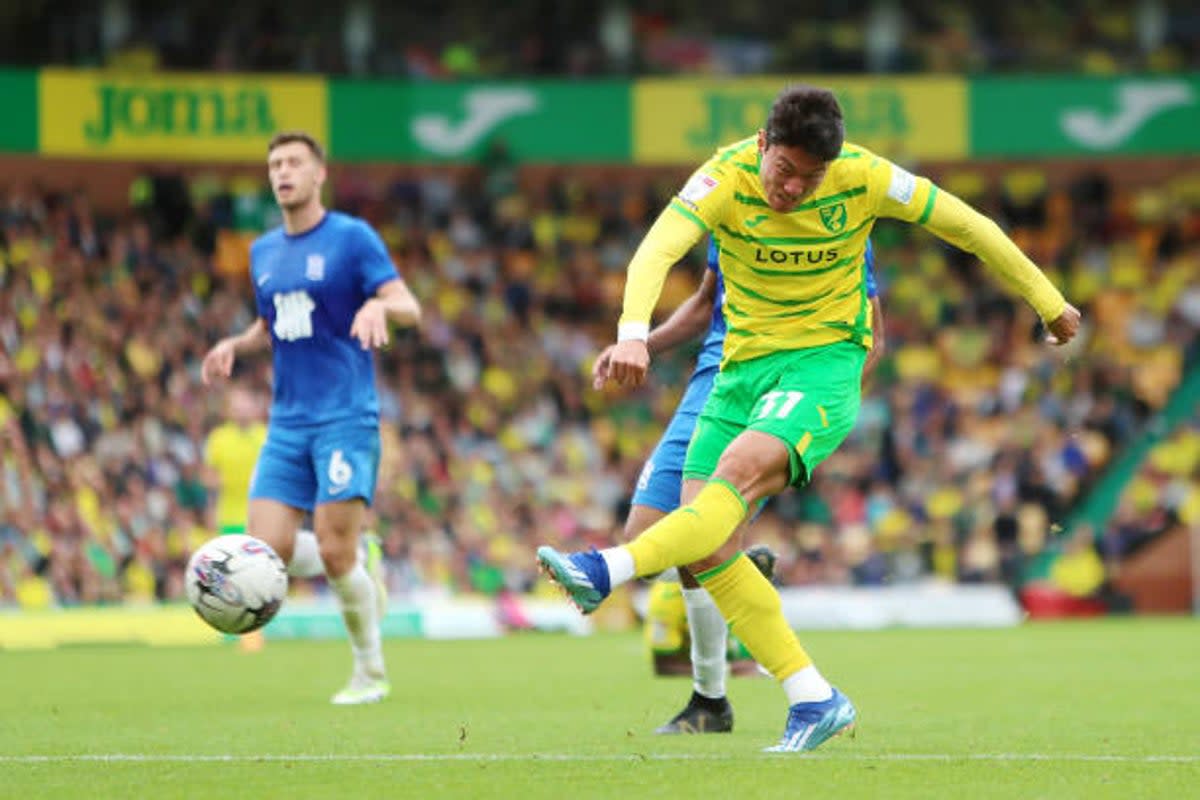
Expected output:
(695, 211)
(900, 195)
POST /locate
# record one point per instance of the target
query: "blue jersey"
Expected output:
(710, 351)
(308, 287)
(869, 258)
(714, 342)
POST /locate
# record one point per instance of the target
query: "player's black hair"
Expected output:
(809, 118)
(287, 137)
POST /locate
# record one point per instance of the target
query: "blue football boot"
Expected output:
(809, 725)
(583, 576)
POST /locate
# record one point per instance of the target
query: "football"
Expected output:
(236, 583)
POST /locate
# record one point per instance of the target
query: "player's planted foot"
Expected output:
(701, 715)
(809, 725)
(362, 689)
(583, 576)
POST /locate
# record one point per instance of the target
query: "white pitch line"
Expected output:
(183, 758)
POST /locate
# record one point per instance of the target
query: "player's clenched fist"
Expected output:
(628, 362)
(1064, 327)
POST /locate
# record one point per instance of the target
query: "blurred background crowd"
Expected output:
(974, 445)
(978, 450)
(464, 39)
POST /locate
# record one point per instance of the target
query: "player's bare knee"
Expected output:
(738, 468)
(337, 526)
(756, 472)
(338, 550)
(752, 479)
(338, 555)
(745, 466)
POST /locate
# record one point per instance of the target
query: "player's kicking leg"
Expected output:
(816, 711)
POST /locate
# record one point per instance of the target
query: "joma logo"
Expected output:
(176, 111)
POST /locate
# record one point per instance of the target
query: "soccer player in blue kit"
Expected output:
(325, 288)
(658, 493)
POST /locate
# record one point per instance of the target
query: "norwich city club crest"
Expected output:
(834, 217)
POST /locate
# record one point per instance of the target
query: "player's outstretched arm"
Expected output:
(961, 225)
(392, 301)
(218, 362)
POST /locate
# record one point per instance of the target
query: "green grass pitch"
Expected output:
(1087, 710)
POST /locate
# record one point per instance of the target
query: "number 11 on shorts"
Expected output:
(771, 399)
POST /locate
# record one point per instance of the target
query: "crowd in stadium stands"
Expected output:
(461, 39)
(973, 444)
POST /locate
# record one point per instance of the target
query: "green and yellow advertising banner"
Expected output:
(102, 114)
(1085, 116)
(669, 121)
(549, 121)
(682, 121)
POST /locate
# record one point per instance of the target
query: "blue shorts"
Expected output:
(661, 480)
(305, 466)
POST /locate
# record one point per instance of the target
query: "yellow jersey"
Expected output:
(232, 452)
(798, 279)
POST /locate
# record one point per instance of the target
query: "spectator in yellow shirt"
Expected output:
(1079, 571)
(230, 453)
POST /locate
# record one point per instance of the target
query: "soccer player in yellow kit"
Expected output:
(791, 209)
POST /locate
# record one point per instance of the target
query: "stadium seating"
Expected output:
(974, 444)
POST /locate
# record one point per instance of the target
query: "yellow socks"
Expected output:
(746, 599)
(690, 533)
(754, 612)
